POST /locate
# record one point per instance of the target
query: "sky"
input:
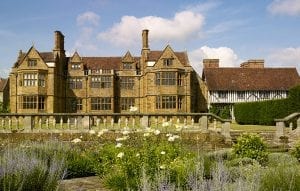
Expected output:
(232, 30)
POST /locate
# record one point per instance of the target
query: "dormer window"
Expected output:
(168, 62)
(127, 65)
(75, 66)
(32, 63)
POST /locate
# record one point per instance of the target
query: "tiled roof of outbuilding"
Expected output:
(242, 79)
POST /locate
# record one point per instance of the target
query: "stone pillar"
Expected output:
(86, 122)
(28, 122)
(279, 130)
(298, 123)
(203, 123)
(226, 131)
(145, 121)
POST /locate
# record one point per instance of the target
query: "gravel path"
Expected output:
(92, 183)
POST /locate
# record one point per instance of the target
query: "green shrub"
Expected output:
(80, 163)
(221, 111)
(295, 151)
(250, 146)
(264, 112)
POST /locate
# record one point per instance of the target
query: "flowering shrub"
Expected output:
(121, 164)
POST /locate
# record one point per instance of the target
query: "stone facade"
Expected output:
(155, 82)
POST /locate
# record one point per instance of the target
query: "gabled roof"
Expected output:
(182, 56)
(3, 83)
(47, 56)
(242, 79)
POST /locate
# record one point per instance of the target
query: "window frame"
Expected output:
(101, 103)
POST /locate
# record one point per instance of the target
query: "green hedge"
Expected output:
(264, 112)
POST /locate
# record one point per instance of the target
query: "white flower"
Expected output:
(100, 133)
(137, 155)
(148, 129)
(77, 140)
(133, 109)
(81, 137)
(178, 128)
(92, 132)
(119, 145)
(169, 135)
(165, 124)
(120, 155)
(146, 134)
(125, 132)
(171, 139)
(163, 152)
(156, 132)
(176, 136)
(162, 166)
(122, 138)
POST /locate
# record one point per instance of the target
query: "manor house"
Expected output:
(160, 81)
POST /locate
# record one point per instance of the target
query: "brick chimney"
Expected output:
(253, 63)
(211, 63)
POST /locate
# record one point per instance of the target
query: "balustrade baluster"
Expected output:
(192, 122)
(112, 122)
(133, 122)
(104, 122)
(119, 123)
(9, 123)
(47, 123)
(68, 123)
(61, 123)
(126, 122)
(97, 122)
(76, 123)
(54, 122)
(40, 123)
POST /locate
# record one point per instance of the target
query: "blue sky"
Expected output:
(233, 31)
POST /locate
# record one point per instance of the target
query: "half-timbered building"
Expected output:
(248, 83)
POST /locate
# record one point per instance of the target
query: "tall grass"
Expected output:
(31, 167)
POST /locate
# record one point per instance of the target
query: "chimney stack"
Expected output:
(210, 63)
(58, 41)
(257, 63)
(145, 39)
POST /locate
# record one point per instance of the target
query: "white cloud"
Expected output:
(183, 26)
(287, 57)
(203, 7)
(285, 7)
(226, 56)
(88, 18)
(87, 23)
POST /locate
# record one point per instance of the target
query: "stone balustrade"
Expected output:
(84, 122)
(281, 124)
